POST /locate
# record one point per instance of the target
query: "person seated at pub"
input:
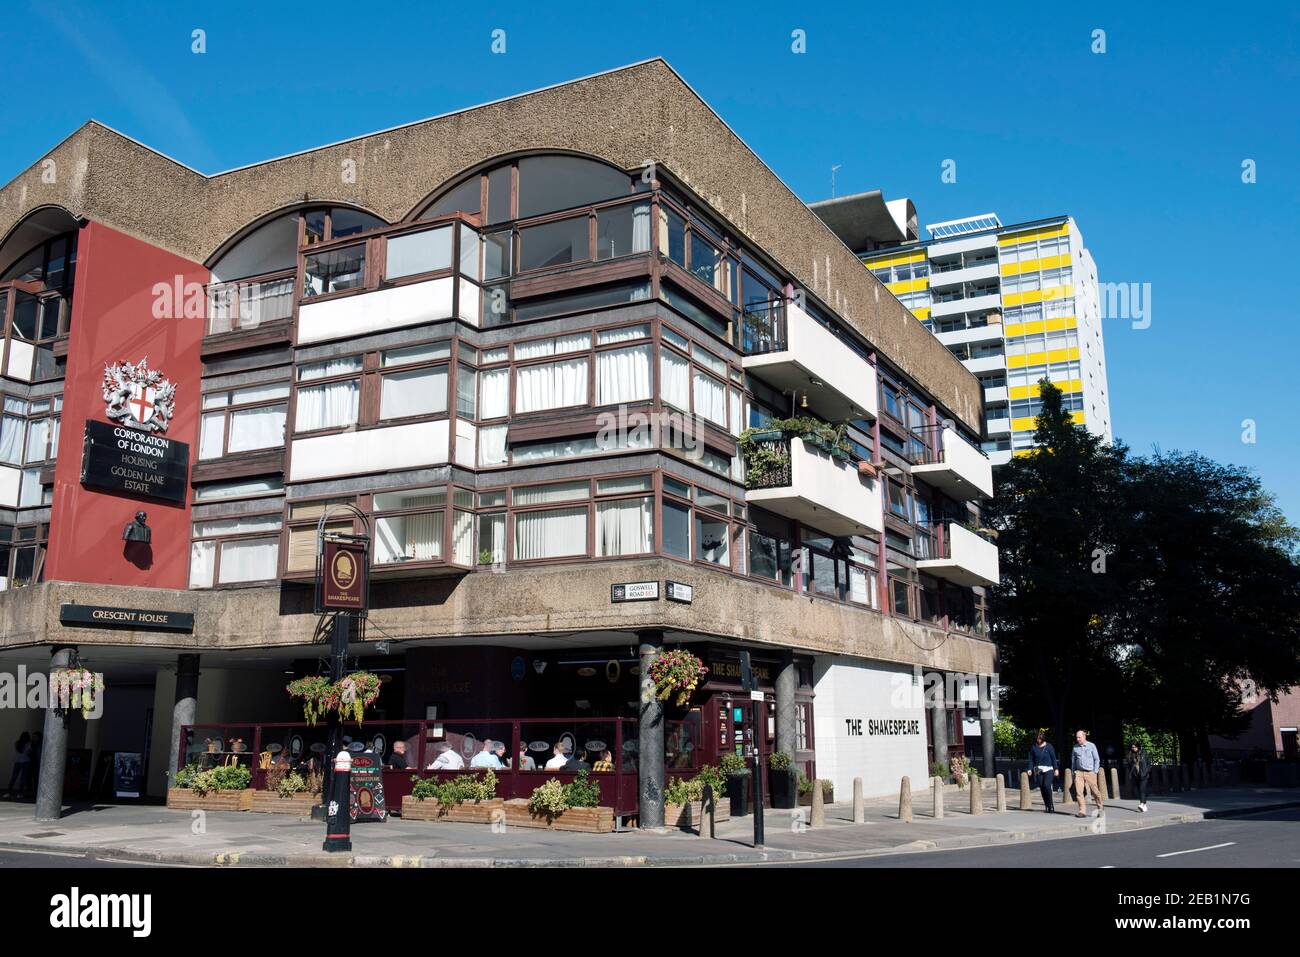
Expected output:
(580, 763)
(559, 757)
(606, 762)
(526, 763)
(397, 760)
(502, 759)
(487, 757)
(447, 759)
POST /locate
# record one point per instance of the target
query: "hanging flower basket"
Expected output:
(76, 685)
(312, 690)
(676, 672)
(353, 694)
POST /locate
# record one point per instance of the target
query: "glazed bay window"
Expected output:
(414, 253)
(414, 387)
(233, 551)
(334, 270)
(243, 420)
(624, 526)
(304, 518)
(624, 375)
(551, 385)
(410, 526)
(332, 404)
(29, 430)
(491, 532)
(549, 532)
(22, 555)
(554, 243)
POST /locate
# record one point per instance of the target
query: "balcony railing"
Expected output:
(763, 328)
(812, 481)
(244, 304)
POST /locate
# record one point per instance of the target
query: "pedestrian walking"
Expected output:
(1138, 768)
(1086, 763)
(21, 776)
(1044, 765)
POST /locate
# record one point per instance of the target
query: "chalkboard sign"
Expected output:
(368, 787)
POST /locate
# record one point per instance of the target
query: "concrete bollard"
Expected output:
(1067, 779)
(708, 805)
(1026, 803)
(818, 816)
(1114, 783)
(936, 786)
(976, 804)
(1002, 794)
(859, 806)
(905, 800)
(1101, 784)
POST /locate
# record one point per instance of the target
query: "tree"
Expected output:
(1161, 590)
(1057, 530)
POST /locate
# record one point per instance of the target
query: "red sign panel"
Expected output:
(343, 576)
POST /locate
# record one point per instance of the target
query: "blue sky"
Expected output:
(1142, 144)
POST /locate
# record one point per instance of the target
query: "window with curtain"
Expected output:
(551, 385)
(328, 406)
(413, 392)
(492, 538)
(611, 337)
(494, 393)
(711, 540)
(416, 534)
(230, 551)
(623, 375)
(466, 392)
(254, 417)
(625, 527)
(675, 379)
(249, 560)
(550, 533)
(710, 398)
(492, 445)
(13, 427)
(555, 346)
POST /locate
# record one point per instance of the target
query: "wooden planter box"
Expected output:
(466, 812)
(184, 799)
(271, 802)
(690, 815)
(596, 820)
(805, 800)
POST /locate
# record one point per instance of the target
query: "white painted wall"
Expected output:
(371, 450)
(376, 311)
(10, 483)
(865, 691)
(971, 551)
(836, 486)
(968, 462)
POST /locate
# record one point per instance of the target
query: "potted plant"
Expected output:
(467, 798)
(938, 770)
(780, 780)
(485, 557)
(563, 807)
(684, 798)
(806, 790)
(737, 773)
(288, 792)
(223, 788)
(676, 672)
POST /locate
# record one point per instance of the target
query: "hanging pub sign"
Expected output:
(128, 461)
(342, 580)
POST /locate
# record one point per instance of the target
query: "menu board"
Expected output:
(367, 798)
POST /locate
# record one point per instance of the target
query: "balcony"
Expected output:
(959, 469)
(981, 302)
(793, 352)
(955, 277)
(965, 558)
(792, 477)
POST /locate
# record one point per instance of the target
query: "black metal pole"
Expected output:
(338, 662)
(338, 823)
(758, 775)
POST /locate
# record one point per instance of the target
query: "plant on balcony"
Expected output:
(312, 690)
(764, 459)
(676, 672)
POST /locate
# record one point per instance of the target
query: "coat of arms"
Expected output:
(138, 396)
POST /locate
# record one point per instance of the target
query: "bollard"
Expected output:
(859, 807)
(708, 805)
(936, 785)
(976, 804)
(1114, 783)
(905, 800)
(1101, 784)
(338, 823)
(1026, 803)
(818, 817)
(1002, 793)
(1067, 782)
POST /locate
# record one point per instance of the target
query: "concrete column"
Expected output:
(1026, 803)
(859, 806)
(939, 723)
(54, 747)
(818, 816)
(1114, 783)
(1002, 793)
(905, 800)
(976, 799)
(936, 787)
(984, 690)
(786, 682)
(650, 735)
(185, 708)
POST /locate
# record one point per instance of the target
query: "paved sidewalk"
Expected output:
(156, 834)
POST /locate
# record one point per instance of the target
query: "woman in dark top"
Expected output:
(1138, 766)
(1043, 762)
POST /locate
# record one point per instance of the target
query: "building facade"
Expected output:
(585, 407)
(1014, 303)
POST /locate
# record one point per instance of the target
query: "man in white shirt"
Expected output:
(487, 757)
(447, 759)
(558, 758)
